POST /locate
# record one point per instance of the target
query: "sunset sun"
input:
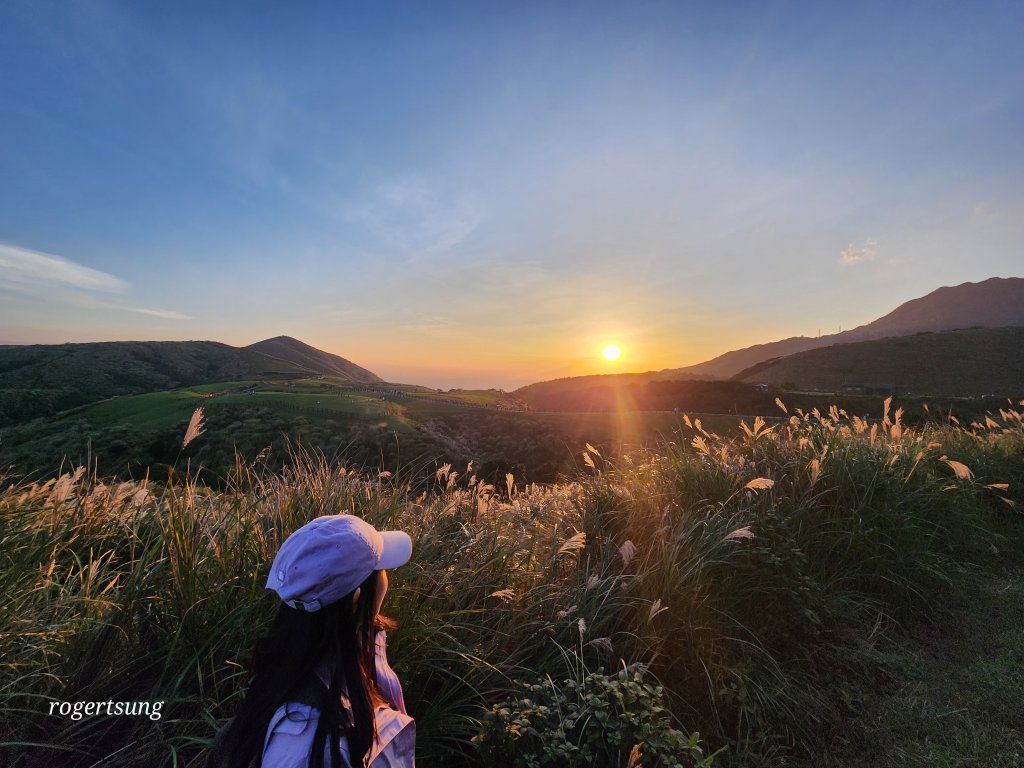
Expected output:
(611, 352)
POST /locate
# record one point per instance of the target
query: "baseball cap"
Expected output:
(330, 556)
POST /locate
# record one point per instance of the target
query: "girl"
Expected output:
(322, 694)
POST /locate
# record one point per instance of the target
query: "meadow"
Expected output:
(381, 425)
(716, 599)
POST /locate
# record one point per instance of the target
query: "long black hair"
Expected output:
(285, 659)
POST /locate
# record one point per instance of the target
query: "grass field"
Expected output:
(333, 415)
(174, 407)
(322, 397)
(761, 579)
(949, 693)
(975, 362)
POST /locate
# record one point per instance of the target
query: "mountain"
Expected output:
(996, 302)
(43, 379)
(993, 303)
(310, 358)
(973, 362)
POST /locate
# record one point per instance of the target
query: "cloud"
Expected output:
(21, 267)
(437, 326)
(416, 215)
(353, 315)
(855, 254)
(46, 275)
(996, 213)
(164, 314)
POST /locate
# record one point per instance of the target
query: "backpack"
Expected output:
(395, 745)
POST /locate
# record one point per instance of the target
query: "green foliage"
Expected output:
(41, 380)
(972, 362)
(753, 574)
(599, 721)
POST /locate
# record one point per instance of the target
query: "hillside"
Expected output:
(623, 393)
(993, 303)
(836, 586)
(581, 393)
(39, 380)
(974, 362)
(627, 395)
(310, 358)
(44, 379)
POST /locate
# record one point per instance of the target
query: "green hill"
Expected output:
(379, 425)
(974, 362)
(40, 380)
(994, 303)
(310, 358)
(597, 392)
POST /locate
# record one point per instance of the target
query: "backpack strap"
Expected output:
(396, 747)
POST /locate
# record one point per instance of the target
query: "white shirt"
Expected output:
(290, 732)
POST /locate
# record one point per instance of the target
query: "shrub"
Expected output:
(605, 721)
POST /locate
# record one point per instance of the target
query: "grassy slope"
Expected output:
(637, 393)
(131, 432)
(771, 593)
(949, 694)
(993, 303)
(378, 423)
(42, 380)
(165, 409)
(972, 362)
(560, 394)
(303, 356)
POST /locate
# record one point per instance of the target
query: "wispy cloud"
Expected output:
(163, 314)
(353, 315)
(996, 213)
(21, 267)
(417, 215)
(436, 326)
(49, 276)
(856, 254)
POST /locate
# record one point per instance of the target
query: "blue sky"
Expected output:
(484, 194)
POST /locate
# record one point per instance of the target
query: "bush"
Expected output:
(600, 720)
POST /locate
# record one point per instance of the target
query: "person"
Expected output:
(321, 684)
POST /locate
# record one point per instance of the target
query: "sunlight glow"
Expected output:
(611, 352)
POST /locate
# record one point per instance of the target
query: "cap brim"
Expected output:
(397, 549)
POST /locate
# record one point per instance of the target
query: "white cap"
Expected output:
(330, 556)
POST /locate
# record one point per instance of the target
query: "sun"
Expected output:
(611, 352)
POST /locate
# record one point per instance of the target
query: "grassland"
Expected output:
(949, 693)
(383, 425)
(42, 380)
(758, 578)
(974, 362)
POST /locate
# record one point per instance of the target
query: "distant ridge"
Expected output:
(313, 359)
(974, 362)
(43, 379)
(576, 392)
(994, 303)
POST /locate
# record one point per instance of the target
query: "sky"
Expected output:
(488, 194)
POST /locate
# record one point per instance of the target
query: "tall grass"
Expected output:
(749, 573)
